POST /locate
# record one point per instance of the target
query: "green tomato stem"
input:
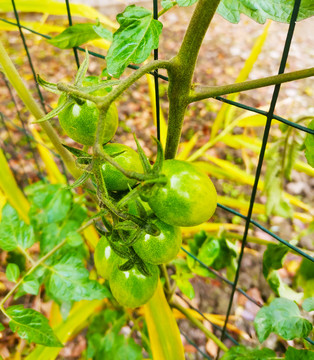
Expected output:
(205, 92)
(181, 71)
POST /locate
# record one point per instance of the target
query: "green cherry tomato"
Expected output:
(128, 160)
(131, 288)
(189, 198)
(162, 248)
(104, 258)
(80, 121)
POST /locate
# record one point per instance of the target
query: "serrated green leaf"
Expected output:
(69, 281)
(282, 289)
(79, 34)
(186, 2)
(12, 272)
(168, 4)
(32, 326)
(245, 353)
(282, 317)
(133, 42)
(262, 10)
(296, 354)
(51, 87)
(308, 304)
(59, 206)
(273, 258)
(31, 286)
(13, 231)
(309, 146)
(209, 251)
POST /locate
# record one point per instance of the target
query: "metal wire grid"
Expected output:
(269, 115)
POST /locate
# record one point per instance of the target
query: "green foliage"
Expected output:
(245, 353)
(282, 317)
(262, 10)
(309, 145)
(216, 252)
(32, 326)
(296, 354)
(182, 276)
(13, 231)
(12, 272)
(305, 277)
(136, 37)
(79, 34)
(105, 342)
(308, 304)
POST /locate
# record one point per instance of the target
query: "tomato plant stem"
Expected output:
(205, 92)
(182, 69)
(199, 325)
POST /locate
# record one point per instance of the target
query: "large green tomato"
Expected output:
(128, 160)
(80, 121)
(104, 258)
(189, 198)
(131, 288)
(162, 248)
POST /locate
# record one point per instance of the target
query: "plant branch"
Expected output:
(199, 325)
(205, 92)
(182, 69)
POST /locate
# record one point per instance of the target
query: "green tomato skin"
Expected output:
(131, 288)
(80, 121)
(188, 199)
(104, 258)
(159, 249)
(128, 160)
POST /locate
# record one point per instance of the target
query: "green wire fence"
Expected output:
(248, 218)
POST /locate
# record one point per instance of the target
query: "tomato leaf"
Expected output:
(80, 181)
(168, 4)
(69, 281)
(145, 163)
(309, 146)
(186, 2)
(308, 304)
(12, 272)
(296, 354)
(13, 231)
(76, 152)
(262, 10)
(245, 353)
(31, 286)
(79, 34)
(136, 37)
(32, 326)
(1, 327)
(273, 258)
(282, 317)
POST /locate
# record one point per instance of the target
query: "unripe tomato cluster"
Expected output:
(186, 197)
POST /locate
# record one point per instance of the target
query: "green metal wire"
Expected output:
(261, 156)
(205, 356)
(77, 60)
(270, 115)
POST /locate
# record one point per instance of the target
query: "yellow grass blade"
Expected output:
(163, 125)
(56, 8)
(11, 190)
(42, 28)
(54, 174)
(186, 147)
(3, 201)
(226, 111)
(210, 227)
(75, 322)
(162, 327)
(235, 173)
